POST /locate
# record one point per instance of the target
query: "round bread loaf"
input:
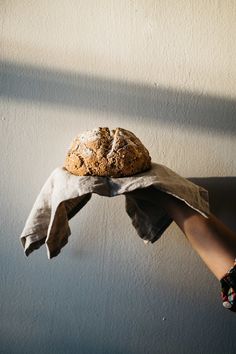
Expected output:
(104, 152)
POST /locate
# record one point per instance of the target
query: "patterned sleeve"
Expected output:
(228, 289)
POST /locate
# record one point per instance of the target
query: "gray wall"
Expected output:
(166, 71)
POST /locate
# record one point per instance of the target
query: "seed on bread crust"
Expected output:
(101, 152)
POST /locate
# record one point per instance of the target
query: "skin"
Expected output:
(214, 242)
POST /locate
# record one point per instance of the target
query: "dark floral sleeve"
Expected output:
(228, 289)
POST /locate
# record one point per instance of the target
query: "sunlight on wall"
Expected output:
(187, 45)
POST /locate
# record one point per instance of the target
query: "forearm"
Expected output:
(210, 238)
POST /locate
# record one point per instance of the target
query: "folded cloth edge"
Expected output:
(200, 192)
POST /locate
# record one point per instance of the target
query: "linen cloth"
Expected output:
(64, 194)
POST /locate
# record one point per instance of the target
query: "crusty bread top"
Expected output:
(104, 152)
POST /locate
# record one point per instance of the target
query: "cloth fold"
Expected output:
(63, 195)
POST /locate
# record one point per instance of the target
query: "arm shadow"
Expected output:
(222, 197)
(152, 102)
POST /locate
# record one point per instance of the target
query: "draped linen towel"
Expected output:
(64, 194)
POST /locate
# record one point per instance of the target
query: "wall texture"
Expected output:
(165, 70)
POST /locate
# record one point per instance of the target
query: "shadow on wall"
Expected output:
(222, 197)
(81, 91)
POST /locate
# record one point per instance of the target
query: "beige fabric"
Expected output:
(64, 194)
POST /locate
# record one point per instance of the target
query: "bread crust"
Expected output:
(105, 152)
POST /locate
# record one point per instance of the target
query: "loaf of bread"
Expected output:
(104, 152)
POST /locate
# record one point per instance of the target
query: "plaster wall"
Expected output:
(164, 70)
